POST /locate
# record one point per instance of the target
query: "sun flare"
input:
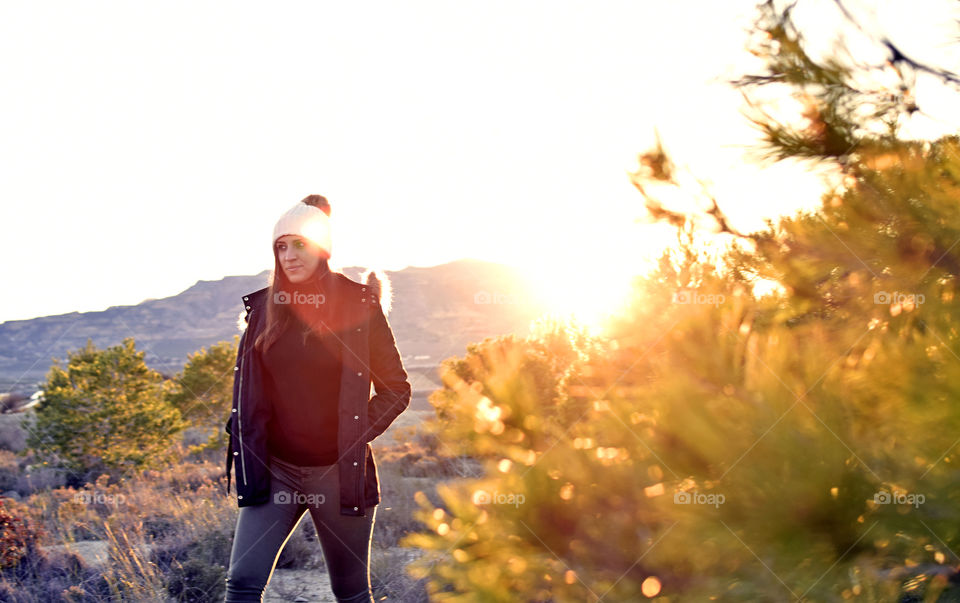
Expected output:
(584, 291)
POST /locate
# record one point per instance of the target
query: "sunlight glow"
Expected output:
(581, 289)
(651, 587)
(318, 231)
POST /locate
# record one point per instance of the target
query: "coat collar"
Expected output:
(373, 280)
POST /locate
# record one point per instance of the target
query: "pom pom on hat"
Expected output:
(309, 219)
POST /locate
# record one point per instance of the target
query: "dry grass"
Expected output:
(169, 532)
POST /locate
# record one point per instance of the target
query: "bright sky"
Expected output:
(146, 146)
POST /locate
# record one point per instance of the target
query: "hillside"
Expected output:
(436, 312)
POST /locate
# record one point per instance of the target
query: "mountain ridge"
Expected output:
(437, 311)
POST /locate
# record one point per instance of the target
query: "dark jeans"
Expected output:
(262, 530)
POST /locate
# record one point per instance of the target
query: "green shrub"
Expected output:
(104, 412)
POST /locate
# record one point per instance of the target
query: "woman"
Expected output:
(303, 415)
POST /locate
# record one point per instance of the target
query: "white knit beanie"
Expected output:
(306, 221)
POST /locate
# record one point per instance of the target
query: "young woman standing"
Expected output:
(303, 415)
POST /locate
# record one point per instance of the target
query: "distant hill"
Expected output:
(436, 312)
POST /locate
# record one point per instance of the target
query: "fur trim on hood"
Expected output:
(378, 280)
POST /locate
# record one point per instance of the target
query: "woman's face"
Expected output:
(299, 257)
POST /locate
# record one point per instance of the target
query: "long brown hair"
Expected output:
(280, 315)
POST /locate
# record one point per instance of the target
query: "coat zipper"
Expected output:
(360, 482)
(243, 465)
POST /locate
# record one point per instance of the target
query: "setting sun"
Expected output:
(582, 289)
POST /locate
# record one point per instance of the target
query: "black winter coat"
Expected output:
(369, 356)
